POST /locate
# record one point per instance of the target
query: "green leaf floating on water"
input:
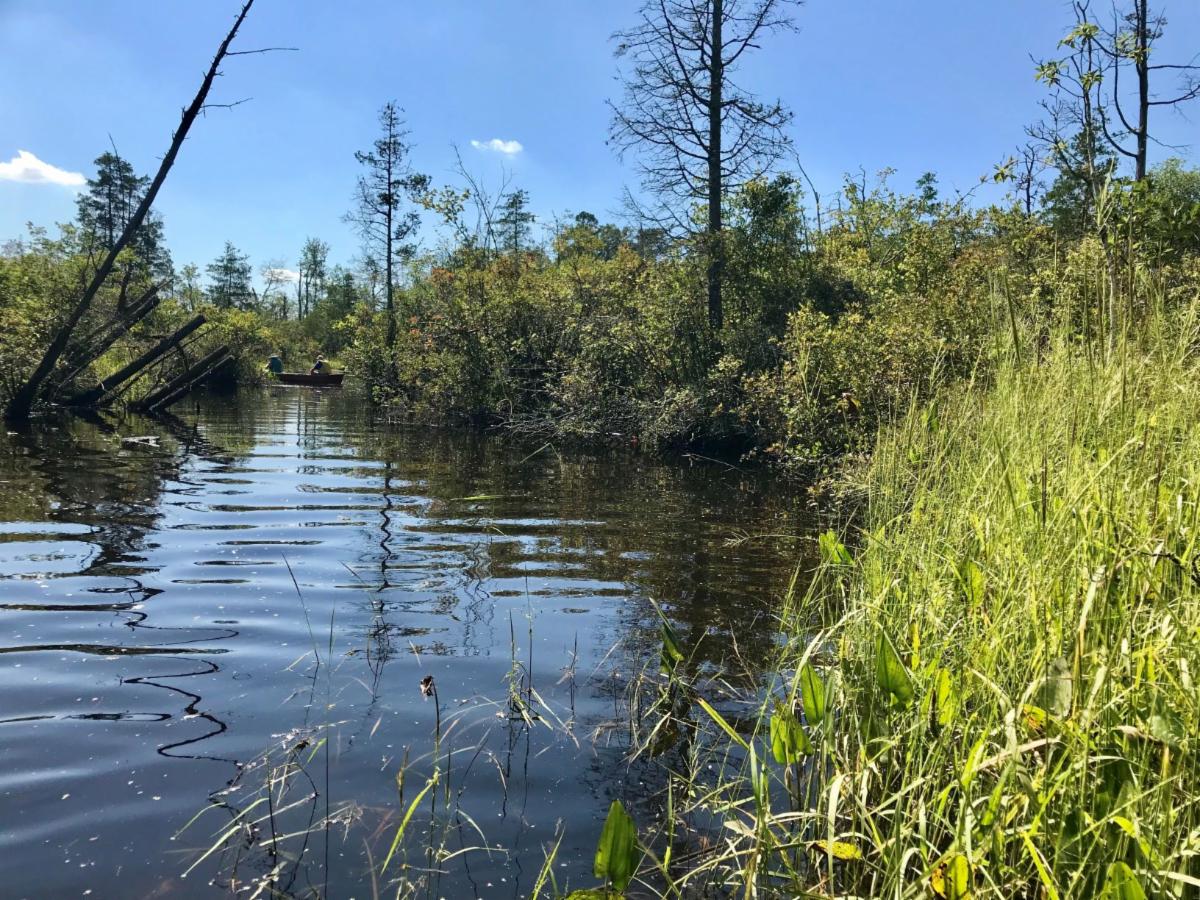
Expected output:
(1122, 884)
(812, 695)
(890, 670)
(837, 849)
(616, 854)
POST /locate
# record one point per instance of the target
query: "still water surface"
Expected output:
(153, 644)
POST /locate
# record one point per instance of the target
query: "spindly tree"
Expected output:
(1109, 80)
(379, 213)
(314, 262)
(187, 287)
(698, 134)
(514, 220)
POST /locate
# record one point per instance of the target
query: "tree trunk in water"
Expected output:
(114, 381)
(22, 401)
(716, 262)
(181, 384)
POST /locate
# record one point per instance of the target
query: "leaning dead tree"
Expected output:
(697, 133)
(34, 389)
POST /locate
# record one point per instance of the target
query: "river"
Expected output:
(250, 593)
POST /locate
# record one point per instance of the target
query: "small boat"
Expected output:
(307, 380)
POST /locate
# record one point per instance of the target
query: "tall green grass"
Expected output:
(993, 696)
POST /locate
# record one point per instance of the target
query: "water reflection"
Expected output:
(166, 601)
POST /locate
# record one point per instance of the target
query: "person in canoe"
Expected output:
(320, 367)
(275, 363)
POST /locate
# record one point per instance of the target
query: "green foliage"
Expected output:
(617, 851)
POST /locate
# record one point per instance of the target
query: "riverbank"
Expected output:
(997, 687)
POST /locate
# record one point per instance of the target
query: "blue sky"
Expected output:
(941, 85)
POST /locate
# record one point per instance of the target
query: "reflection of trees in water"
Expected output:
(611, 520)
(77, 470)
(496, 523)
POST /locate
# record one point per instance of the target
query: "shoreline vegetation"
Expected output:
(987, 689)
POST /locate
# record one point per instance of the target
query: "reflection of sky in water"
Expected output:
(152, 637)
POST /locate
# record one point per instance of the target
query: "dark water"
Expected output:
(153, 645)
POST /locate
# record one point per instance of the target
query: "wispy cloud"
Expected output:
(495, 145)
(29, 169)
(283, 275)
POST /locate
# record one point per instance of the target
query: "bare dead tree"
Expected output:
(1129, 43)
(485, 203)
(697, 133)
(1092, 84)
(23, 399)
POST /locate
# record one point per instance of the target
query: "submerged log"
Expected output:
(178, 386)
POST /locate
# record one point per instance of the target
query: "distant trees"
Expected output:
(384, 225)
(514, 221)
(311, 272)
(229, 279)
(697, 133)
(187, 286)
(585, 236)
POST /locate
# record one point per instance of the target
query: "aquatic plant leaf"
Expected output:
(890, 670)
(973, 582)
(1122, 884)
(945, 698)
(812, 695)
(672, 654)
(958, 879)
(842, 850)
(588, 894)
(789, 743)
(1058, 689)
(1166, 728)
(720, 720)
(1130, 829)
(616, 854)
(833, 551)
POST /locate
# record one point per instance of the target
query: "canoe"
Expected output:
(310, 380)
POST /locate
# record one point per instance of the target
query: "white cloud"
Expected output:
(508, 148)
(284, 275)
(28, 168)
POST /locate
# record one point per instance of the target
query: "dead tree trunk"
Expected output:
(22, 401)
(112, 382)
(87, 350)
(181, 384)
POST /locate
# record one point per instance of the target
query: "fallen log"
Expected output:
(112, 382)
(174, 389)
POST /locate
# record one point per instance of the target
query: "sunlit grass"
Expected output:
(1029, 554)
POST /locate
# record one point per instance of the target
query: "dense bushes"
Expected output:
(833, 323)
